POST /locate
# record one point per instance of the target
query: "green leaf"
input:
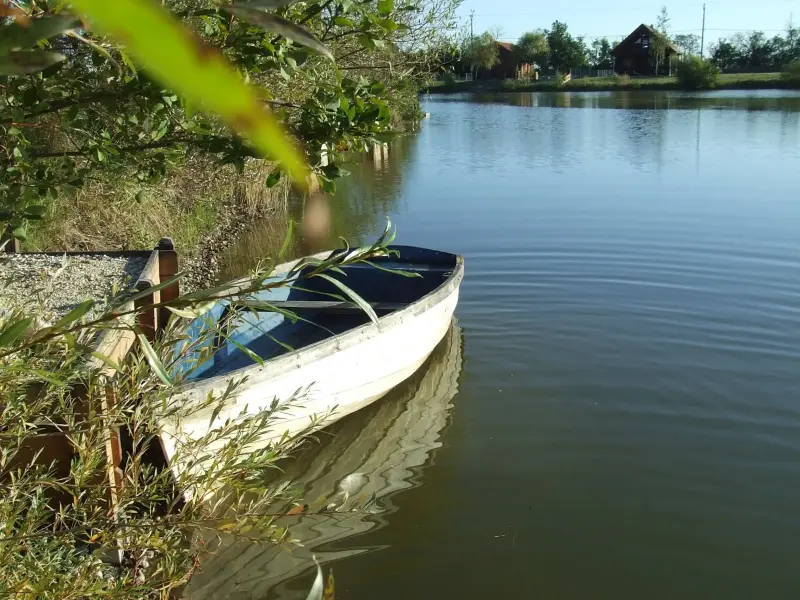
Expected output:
(332, 171)
(11, 333)
(400, 272)
(48, 377)
(279, 25)
(388, 24)
(287, 241)
(22, 62)
(147, 291)
(35, 210)
(265, 4)
(344, 22)
(153, 359)
(327, 185)
(366, 41)
(299, 56)
(103, 358)
(75, 314)
(385, 7)
(193, 312)
(19, 35)
(363, 304)
(273, 178)
(194, 71)
(20, 232)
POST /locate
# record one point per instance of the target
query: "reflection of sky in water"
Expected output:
(627, 421)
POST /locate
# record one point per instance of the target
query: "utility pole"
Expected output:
(471, 16)
(703, 34)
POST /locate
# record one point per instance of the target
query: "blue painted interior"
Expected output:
(264, 333)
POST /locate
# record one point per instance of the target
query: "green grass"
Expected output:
(726, 81)
(185, 206)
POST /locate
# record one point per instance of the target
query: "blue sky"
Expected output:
(616, 19)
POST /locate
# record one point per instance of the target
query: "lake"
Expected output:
(617, 412)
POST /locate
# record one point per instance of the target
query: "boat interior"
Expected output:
(310, 309)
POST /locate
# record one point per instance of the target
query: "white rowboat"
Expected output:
(340, 360)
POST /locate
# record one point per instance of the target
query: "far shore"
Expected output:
(727, 81)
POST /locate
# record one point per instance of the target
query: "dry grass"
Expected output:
(186, 206)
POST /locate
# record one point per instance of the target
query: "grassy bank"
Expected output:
(201, 205)
(744, 81)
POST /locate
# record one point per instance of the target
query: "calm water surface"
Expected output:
(619, 414)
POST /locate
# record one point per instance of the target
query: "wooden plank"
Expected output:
(146, 319)
(167, 267)
(149, 277)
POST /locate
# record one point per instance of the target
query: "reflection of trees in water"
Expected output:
(641, 99)
(789, 127)
(645, 133)
(366, 197)
(359, 208)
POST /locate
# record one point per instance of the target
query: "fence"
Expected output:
(454, 77)
(582, 72)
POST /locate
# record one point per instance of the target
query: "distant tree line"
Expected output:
(558, 50)
(755, 51)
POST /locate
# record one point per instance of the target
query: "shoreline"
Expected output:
(743, 81)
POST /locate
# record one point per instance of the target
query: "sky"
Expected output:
(615, 20)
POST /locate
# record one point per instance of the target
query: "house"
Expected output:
(508, 66)
(634, 56)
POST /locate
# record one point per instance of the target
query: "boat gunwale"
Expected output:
(302, 357)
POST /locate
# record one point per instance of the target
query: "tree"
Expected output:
(725, 55)
(659, 43)
(481, 52)
(532, 47)
(601, 54)
(566, 52)
(755, 51)
(688, 42)
(697, 73)
(91, 114)
(662, 21)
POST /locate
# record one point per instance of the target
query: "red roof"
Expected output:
(507, 45)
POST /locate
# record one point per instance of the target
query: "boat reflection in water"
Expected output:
(359, 463)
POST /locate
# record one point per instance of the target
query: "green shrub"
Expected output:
(695, 73)
(792, 71)
(448, 78)
(623, 80)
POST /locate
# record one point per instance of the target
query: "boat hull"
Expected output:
(323, 383)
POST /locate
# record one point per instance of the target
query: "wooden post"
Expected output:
(8, 243)
(146, 319)
(167, 267)
(113, 447)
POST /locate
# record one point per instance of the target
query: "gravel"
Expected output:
(51, 285)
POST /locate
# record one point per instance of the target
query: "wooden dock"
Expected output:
(160, 264)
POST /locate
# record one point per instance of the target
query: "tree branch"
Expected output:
(59, 105)
(126, 150)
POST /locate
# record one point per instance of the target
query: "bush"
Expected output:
(449, 79)
(792, 71)
(695, 73)
(623, 80)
